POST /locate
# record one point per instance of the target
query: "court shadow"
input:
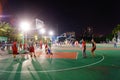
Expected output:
(18, 72)
(38, 68)
(34, 78)
(7, 72)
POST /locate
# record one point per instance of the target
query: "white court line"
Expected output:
(66, 69)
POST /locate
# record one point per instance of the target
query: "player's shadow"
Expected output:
(18, 71)
(7, 72)
(38, 67)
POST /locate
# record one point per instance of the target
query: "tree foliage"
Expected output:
(7, 30)
(116, 29)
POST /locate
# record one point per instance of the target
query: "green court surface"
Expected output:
(105, 66)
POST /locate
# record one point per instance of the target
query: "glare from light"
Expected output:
(42, 30)
(39, 26)
(36, 37)
(3, 16)
(51, 33)
(45, 38)
(25, 26)
(21, 34)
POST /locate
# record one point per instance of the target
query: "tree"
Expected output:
(116, 30)
(8, 31)
(109, 37)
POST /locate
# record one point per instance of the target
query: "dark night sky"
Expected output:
(70, 15)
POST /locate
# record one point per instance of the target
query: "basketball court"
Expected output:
(66, 63)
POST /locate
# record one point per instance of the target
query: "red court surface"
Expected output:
(65, 55)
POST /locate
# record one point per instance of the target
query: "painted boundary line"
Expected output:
(66, 69)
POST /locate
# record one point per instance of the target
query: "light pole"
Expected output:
(42, 31)
(50, 41)
(25, 27)
(51, 34)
